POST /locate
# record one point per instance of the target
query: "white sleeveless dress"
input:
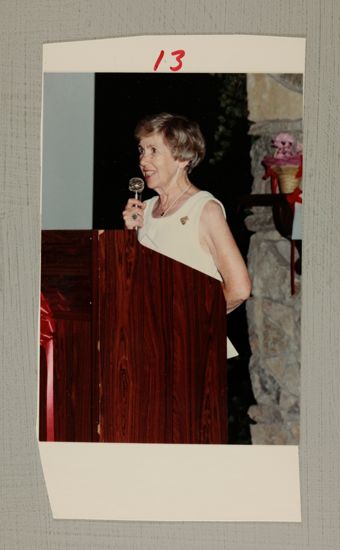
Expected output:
(177, 236)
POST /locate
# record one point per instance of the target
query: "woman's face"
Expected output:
(156, 162)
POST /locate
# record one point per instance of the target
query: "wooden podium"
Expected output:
(139, 349)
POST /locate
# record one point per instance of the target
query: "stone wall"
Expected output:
(273, 314)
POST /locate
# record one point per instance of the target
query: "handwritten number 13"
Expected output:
(178, 54)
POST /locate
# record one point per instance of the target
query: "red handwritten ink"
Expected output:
(178, 54)
(159, 59)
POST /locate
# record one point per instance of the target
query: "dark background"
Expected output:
(219, 104)
(121, 100)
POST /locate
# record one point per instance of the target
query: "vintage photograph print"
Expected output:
(171, 258)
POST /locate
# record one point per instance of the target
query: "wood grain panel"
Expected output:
(66, 268)
(162, 347)
(72, 381)
(68, 275)
(132, 353)
(139, 346)
(200, 370)
(42, 396)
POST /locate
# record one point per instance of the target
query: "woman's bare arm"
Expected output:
(216, 238)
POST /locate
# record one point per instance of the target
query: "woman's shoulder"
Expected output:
(207, 201)
(200, 197)
(204, 194)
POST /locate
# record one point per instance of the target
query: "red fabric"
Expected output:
(274, 180)
(47, 324)
(294, 197)
(292, 267)
(47, 329)
(291, 198)
(299, 172)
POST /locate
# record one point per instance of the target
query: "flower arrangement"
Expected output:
(285, 165)
(284, 168)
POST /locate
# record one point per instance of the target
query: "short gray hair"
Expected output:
(183, 136)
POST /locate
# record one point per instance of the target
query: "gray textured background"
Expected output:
(24, 25)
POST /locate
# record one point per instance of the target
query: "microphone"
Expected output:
(136, 185)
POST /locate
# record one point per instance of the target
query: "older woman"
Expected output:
(183, 222)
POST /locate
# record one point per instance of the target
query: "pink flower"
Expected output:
(283, 143)
(283, 139)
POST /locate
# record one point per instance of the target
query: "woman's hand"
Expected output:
(133, 215)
